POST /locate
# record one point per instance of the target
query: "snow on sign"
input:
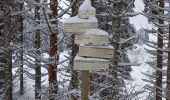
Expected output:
(82, 63)
(86, 10)
(96, 37)
(79, 25)
(96, 51)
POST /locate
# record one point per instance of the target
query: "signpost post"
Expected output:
(85, 85)
(95, 51)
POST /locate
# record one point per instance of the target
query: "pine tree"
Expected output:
(7, 49)
(155, 12)
(53, 47)
(159, 54)
(123, 37)
(21, 51)
(74, 47)
(168, 62)
(168, 68)
(2, 63)
(38, 53)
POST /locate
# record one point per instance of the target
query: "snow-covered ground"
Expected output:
(29, 84)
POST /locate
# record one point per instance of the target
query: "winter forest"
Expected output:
(84, 49)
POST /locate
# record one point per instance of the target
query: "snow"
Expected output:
(77, 19)
(139, 55)
(96, 32)
(89, 59)
(140, 21)
(107, 47)
(86, 5)
(29, 84)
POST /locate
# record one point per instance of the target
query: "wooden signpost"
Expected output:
(89, 63)
(96, 51)
(94, 48)
(95, 37)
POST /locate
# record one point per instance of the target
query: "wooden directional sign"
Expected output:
(96, 37)
(96, 64)
(79, 25)
(78, 38)
(96, 51)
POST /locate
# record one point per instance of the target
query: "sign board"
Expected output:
(87, 13)
(96, 51)
(96, 37)
(95, 40)
(78, 25)
(78, 38)
(96, 64)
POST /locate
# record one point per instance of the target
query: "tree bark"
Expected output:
(38, 53)
(2, 56)
(53, 49)
(168, 69)
(74, 47)
(8, 52)
(159, 56)
(21, 51)
(92, 2)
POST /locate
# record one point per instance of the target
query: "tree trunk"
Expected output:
(92, 2)
(168, 69)
(8, 52)
(53, 49)
(74, 73)
(38, 53)
(21, 52)
(2, 56)
(159, 56)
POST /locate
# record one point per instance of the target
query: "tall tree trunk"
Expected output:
(2, 61)
(8, 52)
(21, 51)
(159, 55)
(168, 69)
(38, 53)
(74, 74)
(53, 48)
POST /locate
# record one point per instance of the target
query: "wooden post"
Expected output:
(85, 85)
